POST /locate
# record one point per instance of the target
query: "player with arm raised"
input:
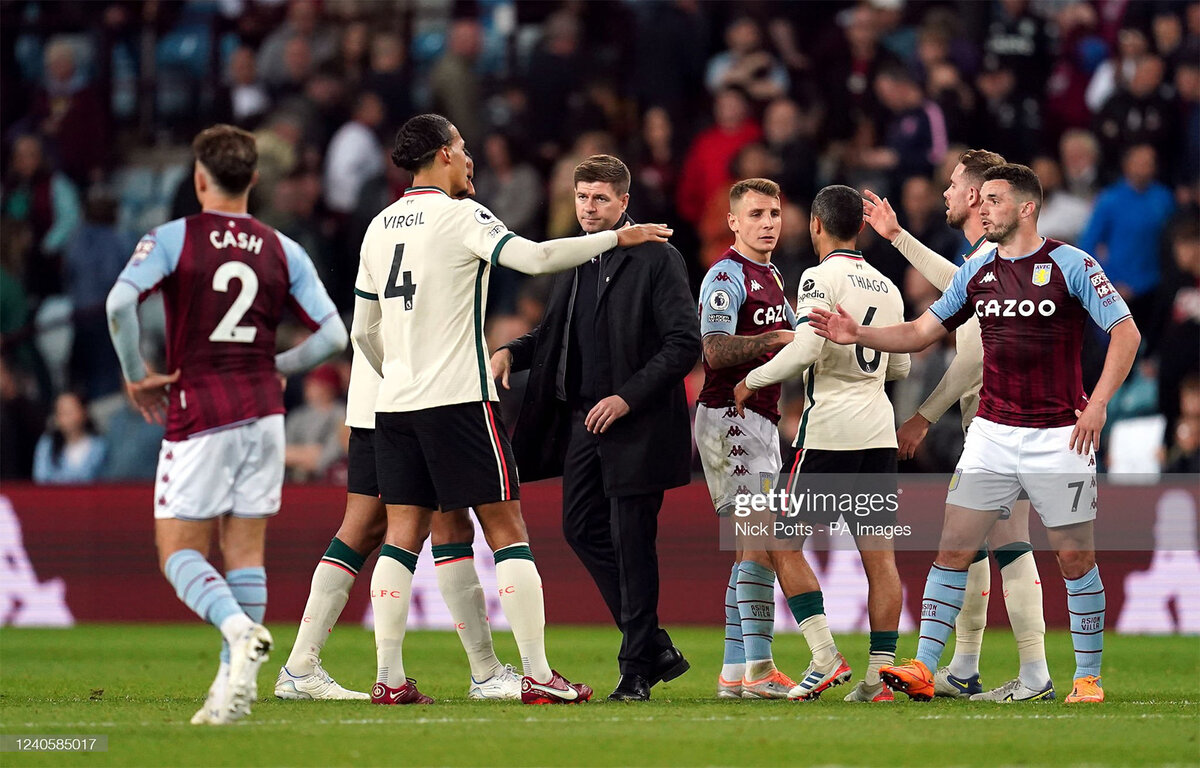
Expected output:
(1009, 539)
(847, 429)
(226, 279)
(422, 288)
(360, 533)
(745, 318)
(1035, 429)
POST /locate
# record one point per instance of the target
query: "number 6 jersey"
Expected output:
(845, 407)
(226, 280)
(426, 259)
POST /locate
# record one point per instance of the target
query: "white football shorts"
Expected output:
(740, 455)
(237, 470)
(998, 461)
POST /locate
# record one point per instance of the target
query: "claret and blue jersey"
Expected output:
(1032, 313)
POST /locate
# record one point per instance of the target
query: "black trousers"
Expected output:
(614, 538)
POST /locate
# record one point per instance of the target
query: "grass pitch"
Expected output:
(139, 685)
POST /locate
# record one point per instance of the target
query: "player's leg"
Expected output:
(1062, 488)
(733, 661)
(471, 464)
(983, 488)
(960, 678)
(1023, 599)
(361, 532)
(755, 595)
(884, 598)
(452, 536)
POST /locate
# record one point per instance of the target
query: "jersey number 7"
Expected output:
(407, 288)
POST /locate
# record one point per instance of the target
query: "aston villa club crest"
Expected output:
(1041, 273)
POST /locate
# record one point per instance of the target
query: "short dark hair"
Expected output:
(840, 210)
(1024, 181)
(605, 169)
(230, 156)
(975, 163)
(419, 139)
(762, 186)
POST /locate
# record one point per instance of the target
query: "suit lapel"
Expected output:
(612, 262)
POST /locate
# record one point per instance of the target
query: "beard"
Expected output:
(955, 221)
(1000, 233)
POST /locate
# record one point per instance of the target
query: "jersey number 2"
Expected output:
(868, 366)
(407, 288)
(228, 329)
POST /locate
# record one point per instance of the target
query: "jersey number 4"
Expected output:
(406, 287)
(228, 329)
(868, 366)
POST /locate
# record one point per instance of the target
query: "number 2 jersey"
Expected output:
(226, 280)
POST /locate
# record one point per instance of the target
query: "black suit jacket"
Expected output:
(653, 341)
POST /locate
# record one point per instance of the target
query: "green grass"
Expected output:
(154, 677)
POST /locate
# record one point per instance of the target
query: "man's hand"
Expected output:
(150, 395)
(604, 413)
(910, 435)
(780, 339)
(636, 234)
(839, 328)
(741, 393)
(878, 213)
(1085, 438)
(501, 365)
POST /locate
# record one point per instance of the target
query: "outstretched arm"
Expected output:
(567, 252)
(933, 267)
(841, 328)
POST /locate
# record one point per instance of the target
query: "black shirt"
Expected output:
(588, 377)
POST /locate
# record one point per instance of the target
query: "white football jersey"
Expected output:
(362, 392)
(427, 259)
(845, 406)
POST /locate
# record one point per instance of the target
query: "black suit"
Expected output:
(644, 319)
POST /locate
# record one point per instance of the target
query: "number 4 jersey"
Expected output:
(226, 280)
(426, 259)
(845, 406)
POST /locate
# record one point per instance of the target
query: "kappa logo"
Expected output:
(731, 412)
(1088, 263)
(738, 450)
(754, 286)
(735, 430)
(722, 278)
(988, 278)
(742, 489)
(740, 471)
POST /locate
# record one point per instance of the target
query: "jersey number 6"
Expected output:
(868, 366)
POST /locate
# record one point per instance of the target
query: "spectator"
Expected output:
(1174, 335)
(1079, 153)
(956, 100)
(244, 101)
(922, 214)
(1128, 215)
(1010, 122)
(706, 166)
(355, 155)
(1064, 214)
(655, 169)
(386, 77)
(1080, 47)
(746, 64)
(852, 66)
(670, 70)
(1187, 86)
(94, 259)
(23, 418)
(455, 83)
(1018, 39)
(550, 79)
(914, 138)
(1116, 72)
(1138, 114)
(353, 53)
(302, 23)
(71, 452)
(70, 114)
(48, 203)
(790, 135)
(295, 69)
(137, 442)
(1183, 456)
(509, 186)
(313, 429)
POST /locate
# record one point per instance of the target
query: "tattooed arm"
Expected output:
(722, 350)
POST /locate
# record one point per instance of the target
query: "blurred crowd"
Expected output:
(100, 100)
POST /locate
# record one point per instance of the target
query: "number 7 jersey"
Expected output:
(226, 280)
(426, 259)
(845, 407)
